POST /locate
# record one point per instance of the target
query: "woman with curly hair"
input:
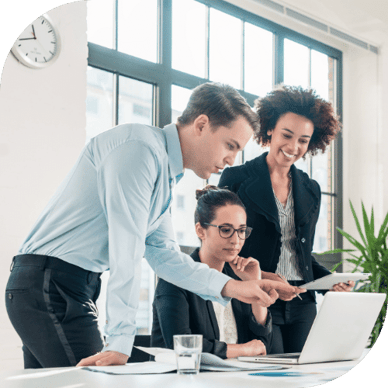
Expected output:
(283, 203)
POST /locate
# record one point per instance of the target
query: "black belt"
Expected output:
(42, 261)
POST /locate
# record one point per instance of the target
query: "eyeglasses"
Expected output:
(227, 231)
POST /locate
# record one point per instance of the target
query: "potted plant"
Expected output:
(371, 256)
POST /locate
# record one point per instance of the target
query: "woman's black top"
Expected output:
(177, 311)
(251, 181)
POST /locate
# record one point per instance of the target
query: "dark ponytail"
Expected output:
(210, 199)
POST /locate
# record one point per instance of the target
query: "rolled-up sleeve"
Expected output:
(169, 263)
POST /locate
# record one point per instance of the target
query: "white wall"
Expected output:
(362, 179)
(42, 127)
(383, 125)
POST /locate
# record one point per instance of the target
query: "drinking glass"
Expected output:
(188, 350)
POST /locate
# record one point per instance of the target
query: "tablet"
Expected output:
(327, 282)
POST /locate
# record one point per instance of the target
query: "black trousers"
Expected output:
(51, 305)
(292, 322)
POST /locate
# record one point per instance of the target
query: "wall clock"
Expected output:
(39, 45)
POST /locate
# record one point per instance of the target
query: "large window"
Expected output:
(309, 68)
(148, 55)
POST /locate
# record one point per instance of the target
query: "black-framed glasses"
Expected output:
(227, 231)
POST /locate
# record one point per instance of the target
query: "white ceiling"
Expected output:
(365, 19)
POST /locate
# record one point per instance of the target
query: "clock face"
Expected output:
(38, 45)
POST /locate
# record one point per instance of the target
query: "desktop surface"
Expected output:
(315, 374)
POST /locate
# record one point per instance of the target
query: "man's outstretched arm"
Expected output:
(265, 292)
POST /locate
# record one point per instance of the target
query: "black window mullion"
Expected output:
(338, 165)
(115, 102)
(124, 64)
(115, 90)
(242, 82)
(207, 69)
(310, 70)
(115, 25)
(163, 86)
(278, 58)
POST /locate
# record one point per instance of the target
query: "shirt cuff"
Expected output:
(119, 343)
(218, 285)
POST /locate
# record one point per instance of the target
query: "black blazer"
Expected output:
(252, 183)
(177, 311)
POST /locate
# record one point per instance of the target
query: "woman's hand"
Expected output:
(343, 287)
(249, 349)
(263, 292)
(285, 296)
(246, 269)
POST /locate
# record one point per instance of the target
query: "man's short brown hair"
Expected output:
(221, 103)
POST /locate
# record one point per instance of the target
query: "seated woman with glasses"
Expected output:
(239, 329)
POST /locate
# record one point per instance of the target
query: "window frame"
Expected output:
(163, 76)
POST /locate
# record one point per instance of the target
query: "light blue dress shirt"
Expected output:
(113, 209)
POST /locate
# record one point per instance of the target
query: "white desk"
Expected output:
(79, 378)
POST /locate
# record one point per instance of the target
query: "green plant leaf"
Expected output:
(340, 250)
(370, 255)
(378, 281)
(369, 233)
(353, 241)
(357, 222)
(365, 288)
(384, 260)
(336, 266)
(353, 261)
(356, 257)
(383, 232)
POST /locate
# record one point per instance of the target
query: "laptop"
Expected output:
(340, 331)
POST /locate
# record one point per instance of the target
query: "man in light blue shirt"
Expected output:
(111, 210)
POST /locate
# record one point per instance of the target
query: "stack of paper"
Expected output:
(165, 361)
(136, 368)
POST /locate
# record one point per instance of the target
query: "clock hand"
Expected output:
(33, 31)
(27, 38)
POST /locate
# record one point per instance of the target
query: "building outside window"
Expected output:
(147, 56)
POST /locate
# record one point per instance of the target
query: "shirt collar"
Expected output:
(175, 160)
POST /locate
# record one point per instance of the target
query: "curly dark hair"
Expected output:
(303, 102)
